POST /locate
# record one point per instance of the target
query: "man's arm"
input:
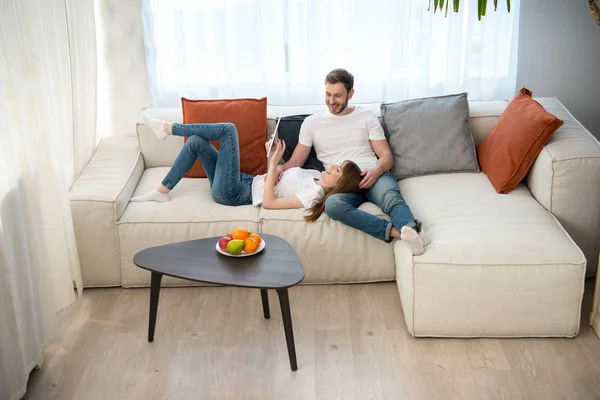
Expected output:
(384, 153)
(298, 158)
(384, 163)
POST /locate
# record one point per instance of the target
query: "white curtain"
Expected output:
(47, 132)
(123, 89)
(283, 49)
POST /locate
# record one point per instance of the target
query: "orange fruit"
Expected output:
(239, 233)
(256, 237)
(250, 245)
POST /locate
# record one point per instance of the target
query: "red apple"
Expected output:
(223, 241)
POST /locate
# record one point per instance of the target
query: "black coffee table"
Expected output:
(276, 267)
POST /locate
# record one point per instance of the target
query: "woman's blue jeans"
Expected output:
(229, 186)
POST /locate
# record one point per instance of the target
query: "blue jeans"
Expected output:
(228, 185)
(385, 193)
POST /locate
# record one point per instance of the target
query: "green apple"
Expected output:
(235, 247)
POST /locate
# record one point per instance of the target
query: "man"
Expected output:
(346, 132)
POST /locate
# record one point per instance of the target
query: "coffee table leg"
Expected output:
(154, 292)
(265, 303)
(284, 302)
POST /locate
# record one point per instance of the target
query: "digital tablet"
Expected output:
(273, 138)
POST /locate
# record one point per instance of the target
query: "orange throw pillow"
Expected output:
(250, 119)
(515, 141)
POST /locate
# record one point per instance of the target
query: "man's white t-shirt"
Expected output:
(338, 138)
(295, 182)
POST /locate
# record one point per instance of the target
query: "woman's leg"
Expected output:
(224, 170)
(222, 167)
(195, 147)
(199, 136)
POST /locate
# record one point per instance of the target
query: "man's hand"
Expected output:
(370, 176)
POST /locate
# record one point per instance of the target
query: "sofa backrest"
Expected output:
(158, 153)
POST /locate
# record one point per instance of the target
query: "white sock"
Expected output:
(424, 238)
(412, 239)
(153, 195)
(156, 125)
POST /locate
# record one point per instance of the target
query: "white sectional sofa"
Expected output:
(498, 265)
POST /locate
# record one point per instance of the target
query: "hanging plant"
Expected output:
(595, 7)
(443, 5)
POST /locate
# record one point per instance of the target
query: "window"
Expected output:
(283, 49)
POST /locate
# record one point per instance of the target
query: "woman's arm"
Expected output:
(269, 200)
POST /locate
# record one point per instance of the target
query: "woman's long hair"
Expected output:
(348, 183)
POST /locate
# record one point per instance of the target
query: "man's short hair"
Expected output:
(340, 75)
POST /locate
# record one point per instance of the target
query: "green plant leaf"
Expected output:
(481, 6)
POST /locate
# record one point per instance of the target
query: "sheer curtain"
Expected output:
(282, 49)
(47, 131)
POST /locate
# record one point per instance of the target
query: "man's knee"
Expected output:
(390, 199)
(335, 205)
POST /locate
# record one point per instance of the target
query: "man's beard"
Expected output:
(340, 109)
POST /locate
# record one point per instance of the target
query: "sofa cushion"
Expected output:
(191, 214)
(565, 179)
(249, 117)
(429, 136)
(289, 130)
(99, 197)
(515, 141)
(323, 246)
(489, 255)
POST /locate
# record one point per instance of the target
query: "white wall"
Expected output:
(559, 55)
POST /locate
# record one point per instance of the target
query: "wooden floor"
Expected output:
(213, 343)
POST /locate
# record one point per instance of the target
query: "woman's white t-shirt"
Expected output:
(295, 182)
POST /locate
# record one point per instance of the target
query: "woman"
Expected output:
(297, 188)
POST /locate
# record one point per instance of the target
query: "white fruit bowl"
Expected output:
(261, 247)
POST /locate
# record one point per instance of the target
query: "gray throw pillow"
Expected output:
(430, 136)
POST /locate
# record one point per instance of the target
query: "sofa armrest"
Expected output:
(99, 197)
(565, 179)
